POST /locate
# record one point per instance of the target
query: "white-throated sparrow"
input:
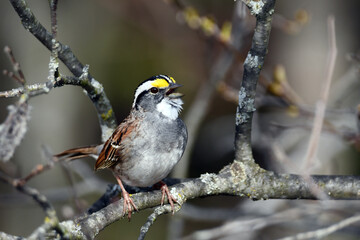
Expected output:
(145, 147)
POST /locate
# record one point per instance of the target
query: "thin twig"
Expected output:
(158, 211)
(321, 104)
(323, 232)
(16, 66)
(236, 227)
(41, 88)
(310, 157)
(38, 169)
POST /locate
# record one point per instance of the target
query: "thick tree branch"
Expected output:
(93, 88)
(232, 180)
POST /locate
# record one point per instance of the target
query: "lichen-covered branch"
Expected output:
(263, 11)
(232, 180)
(158, 211)
(93, 88)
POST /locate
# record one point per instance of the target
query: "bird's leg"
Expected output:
(165, 191)
(128, 202)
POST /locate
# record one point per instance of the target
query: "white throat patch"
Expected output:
(170, 108)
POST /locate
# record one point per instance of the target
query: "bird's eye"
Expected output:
(154, 90)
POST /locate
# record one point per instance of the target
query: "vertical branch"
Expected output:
(54, 63)
(321, 104)
(53, 8)
(263, 10)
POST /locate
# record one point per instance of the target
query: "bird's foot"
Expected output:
(129, 204)
(165, 191)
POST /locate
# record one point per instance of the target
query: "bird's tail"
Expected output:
(80, 152)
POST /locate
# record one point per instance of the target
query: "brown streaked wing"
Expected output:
(109, 155)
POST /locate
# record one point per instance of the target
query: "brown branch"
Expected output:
(38, 169)
(16, 66)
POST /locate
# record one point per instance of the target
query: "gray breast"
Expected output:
(153, 152)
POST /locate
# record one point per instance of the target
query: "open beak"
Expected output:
(171, 91)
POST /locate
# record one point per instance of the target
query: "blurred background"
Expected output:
(125, 42)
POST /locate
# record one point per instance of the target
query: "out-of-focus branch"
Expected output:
(93, 88)
(18, 75)
(13, 129)
(323, 232)
(321, 104)
(310, 157)
(39, 198)
(237, 227)
(5, 236)
(51, 220)
(199, 107)
(263, 11)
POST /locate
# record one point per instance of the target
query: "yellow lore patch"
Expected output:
(160, 83)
